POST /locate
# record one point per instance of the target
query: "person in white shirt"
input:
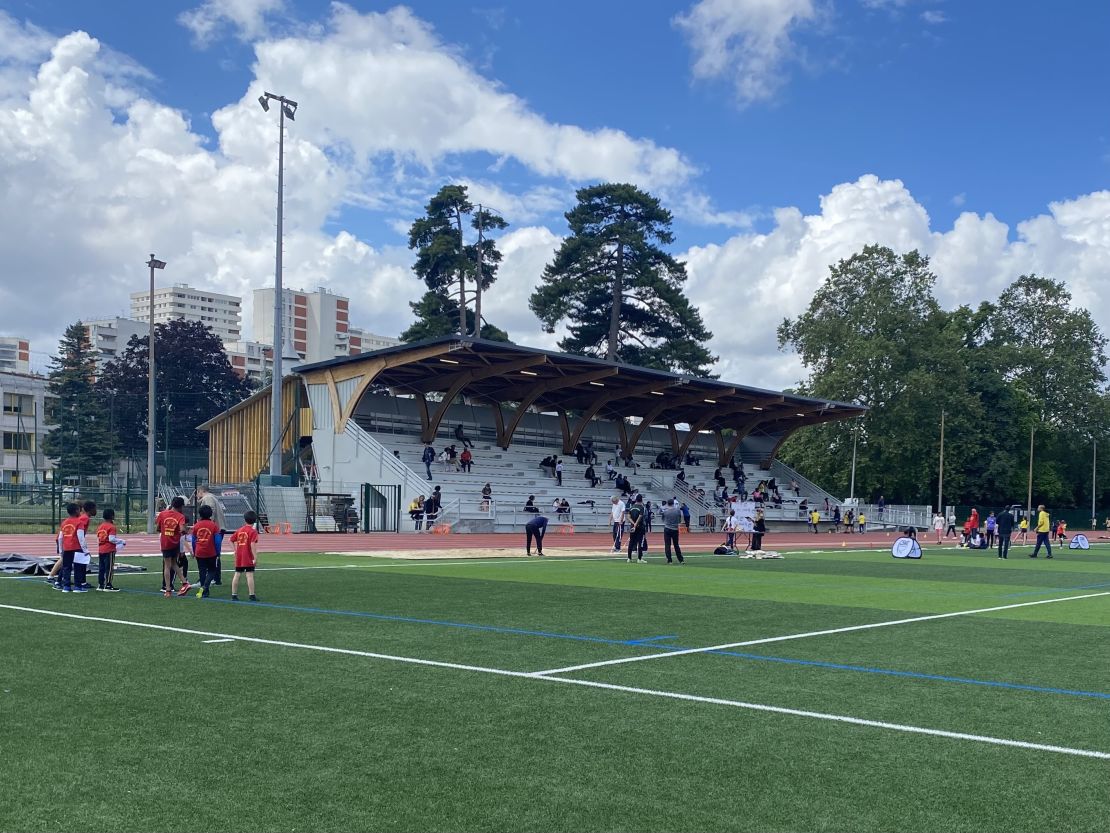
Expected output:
(938, 525)
(617, 516)
(731, 525)
(559, 473)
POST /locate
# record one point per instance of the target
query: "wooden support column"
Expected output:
(740, 432)
(457, 384)
(667, 404)
(605, 399)
(564, 424)
(422, 410)
(545, 386)
(673, 432)
(720, 438)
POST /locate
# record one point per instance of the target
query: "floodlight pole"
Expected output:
(1029, 500)
(855, 437)
(153, 263)
(1094, 481)
(284, 105)
(478, 285)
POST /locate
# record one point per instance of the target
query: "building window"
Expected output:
(18, 442)
(16, 403)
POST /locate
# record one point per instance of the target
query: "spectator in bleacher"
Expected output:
(453, 457)
(795, 488)
(881, 505)
(685, 510)
(718, 476)
(662, 460)
(610, 472)
(443, 458)
(558, 472)
(579, 453)
(427, 458)
(460, 435)
(431, 508)
(591, 475)
(692, 460)
(591, 455)
(466, 459)
(836, 519)
(564, 507)
(487, 497)
(530, 504)
(681, 476)
(416, 511)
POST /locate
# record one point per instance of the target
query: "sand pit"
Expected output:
(479, 552)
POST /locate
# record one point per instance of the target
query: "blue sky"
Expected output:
(819, 126)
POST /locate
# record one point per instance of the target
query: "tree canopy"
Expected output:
(193, 378)
(446, 263)
(80, 441)
(619, 292)
(875, 333)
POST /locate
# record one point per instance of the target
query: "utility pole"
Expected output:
(940, 480)
(855, 438)
(1094, 481)
(1029, 500)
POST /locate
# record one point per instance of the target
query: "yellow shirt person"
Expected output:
(1042, 519)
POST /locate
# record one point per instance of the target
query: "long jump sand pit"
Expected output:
(464, 552)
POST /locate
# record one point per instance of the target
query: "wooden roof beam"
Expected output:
(543, 386)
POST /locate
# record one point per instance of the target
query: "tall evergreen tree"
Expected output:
(447, 263)
(80, 441)
(619, 291)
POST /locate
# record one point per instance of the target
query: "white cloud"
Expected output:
(934, 17)
(247, 18)
(747, 41)
(747, 285)
(959, 199)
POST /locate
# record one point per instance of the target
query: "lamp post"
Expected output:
(286, 108)
(153, 263)
(1094, 481)
(940, 479)
(855, 437)
(1029, 500)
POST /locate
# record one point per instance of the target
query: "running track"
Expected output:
(384, 542)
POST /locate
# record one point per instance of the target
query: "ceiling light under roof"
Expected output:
(529, 373)
(799, 414)
(597, 384)
(710, 401)
(657, 393)
(754, 408)
(448, 361)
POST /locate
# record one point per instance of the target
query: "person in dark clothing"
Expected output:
(1003, 529)
(672, 518)
(685, 510)
(535, 528)
(460, 435)
(530, 504)
(759, 529)
(427, 458)
(636, 531)
(591, 475)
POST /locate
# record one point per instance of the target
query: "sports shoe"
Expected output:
(166, 594)
(81, 588)
(1048, 556)
(641, 561)
(67, 589)
(111, 589)
(101, 589)
(540, 554)
(234, 598)
(200, 593)
(204, 593)
(184, 589)
(253, 597)
(57, 585)
(629, 559)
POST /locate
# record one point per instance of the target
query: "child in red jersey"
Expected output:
(170, 524)
(71, 541)
(107, 546)
(246, 554)
(206, 540)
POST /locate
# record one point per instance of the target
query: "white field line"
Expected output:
(686, 651)
(673, 695)
(211, 641)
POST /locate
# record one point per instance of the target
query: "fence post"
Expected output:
(127, 503)
(365, 507)
(53, 503)
(397, 509)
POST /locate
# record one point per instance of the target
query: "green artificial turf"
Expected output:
(105, 726)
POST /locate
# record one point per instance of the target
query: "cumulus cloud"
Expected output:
(934, 17)
(746, 41)
(747, 285)
(248, 19)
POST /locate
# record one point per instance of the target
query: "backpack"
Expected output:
(723, 550)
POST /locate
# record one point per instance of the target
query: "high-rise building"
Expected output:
(25, 419)
(109, 336)
(15, 354)
(221, 313)
(317, 324)
(250, 359)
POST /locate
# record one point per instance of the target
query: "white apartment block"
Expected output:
(221, 313)
(25, 418)
(109, 336)
(317, 324)
(15, 355)
(250, 359)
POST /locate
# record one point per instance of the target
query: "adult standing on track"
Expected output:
(672, 518)
(1004, 528)
(1043, 527)
(938, 525)
(535, 528)
(636, 530)
(759, 528)
(617, 517)
(992, 526)
(951, 526)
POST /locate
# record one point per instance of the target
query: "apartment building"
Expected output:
(109, 336)
(25, 419)
(15, 355)
(221, 313)
(316, 323)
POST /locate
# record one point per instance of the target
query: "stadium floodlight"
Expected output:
(153, 263)
(287, 108)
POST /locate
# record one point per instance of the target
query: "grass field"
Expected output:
(403, 695)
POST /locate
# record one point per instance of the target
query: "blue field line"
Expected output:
(648, 639)
(916, 675)
(1045, 590)
(650, 642)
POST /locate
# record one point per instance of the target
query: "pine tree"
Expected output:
(80, 441)
(620, 293)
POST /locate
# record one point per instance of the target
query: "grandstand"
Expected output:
(365, 420)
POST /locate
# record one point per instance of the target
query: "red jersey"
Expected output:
(244, 536)
(70, 541)
(103, 532)
(204, 539)
(171, 524)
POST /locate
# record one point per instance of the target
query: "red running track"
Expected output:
(384, 542)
